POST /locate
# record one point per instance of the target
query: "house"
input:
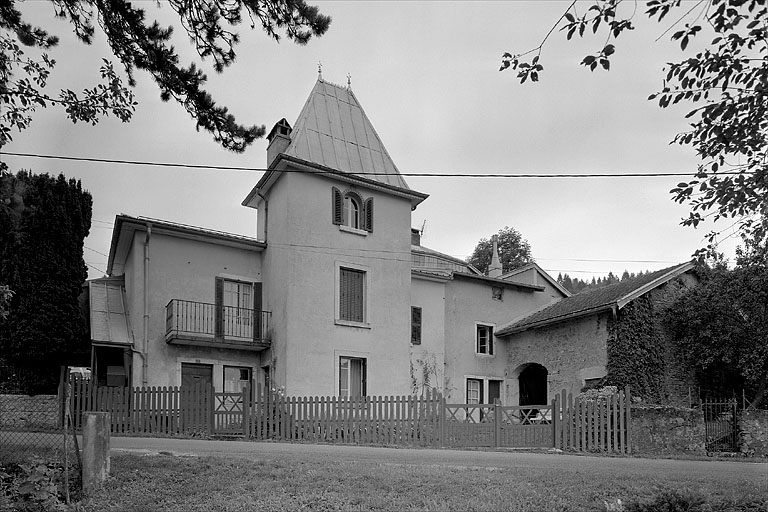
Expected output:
(334, 295)
(613, 334)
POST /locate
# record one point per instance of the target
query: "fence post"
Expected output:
(556, 440)
(628, 403)
(442, 420)
(497, 424)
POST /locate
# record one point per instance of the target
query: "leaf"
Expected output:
(609, 50)
(606, 64)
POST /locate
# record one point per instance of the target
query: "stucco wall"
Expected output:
(571, 352)
(468, 302)
(181, 268)
(305, 249)
(429, 357)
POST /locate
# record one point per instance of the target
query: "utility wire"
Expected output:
(413, 174)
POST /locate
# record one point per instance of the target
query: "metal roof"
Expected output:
(333, 131)
(594, 301)
(109, 320)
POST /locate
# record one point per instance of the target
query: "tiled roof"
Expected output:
(333, 131)
(593, 301)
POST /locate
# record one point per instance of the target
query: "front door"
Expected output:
(196, 385)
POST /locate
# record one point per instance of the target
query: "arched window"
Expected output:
(351, 211)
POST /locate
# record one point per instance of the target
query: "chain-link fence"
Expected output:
(37, 445)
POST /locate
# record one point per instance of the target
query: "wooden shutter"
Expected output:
(368, 214)
(338, 206)
(218, 309)
(415, 325)
(351, 295)
(490, 340)
(257, 316)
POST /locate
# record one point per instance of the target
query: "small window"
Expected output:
(415, 325)
(352, 376)
(484, 339)
(351, 295)
(497, 293)
(236, 378)
(351, 212)
(474, 391)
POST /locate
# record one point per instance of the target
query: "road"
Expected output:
(723, 471)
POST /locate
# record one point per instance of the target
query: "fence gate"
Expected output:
(229, 416)
(497, 426)
(720, 425)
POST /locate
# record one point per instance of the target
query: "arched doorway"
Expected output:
(533, 385)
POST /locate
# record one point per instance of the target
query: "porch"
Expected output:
(215, 325)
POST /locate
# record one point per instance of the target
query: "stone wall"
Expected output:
(753, 433)
(24, 412)
(667, 430)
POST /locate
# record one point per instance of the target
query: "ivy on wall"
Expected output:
(636, 350)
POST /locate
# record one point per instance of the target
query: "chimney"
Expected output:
(279, 140)
(415, 236)
(494, 269)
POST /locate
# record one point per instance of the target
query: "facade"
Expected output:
(335, 295)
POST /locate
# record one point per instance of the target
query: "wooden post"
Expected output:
(555, 412)
(442, 421)
(496, 424)
(629, 419)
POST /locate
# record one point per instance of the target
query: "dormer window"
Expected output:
(352, 211)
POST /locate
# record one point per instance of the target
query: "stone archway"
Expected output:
(532, 383)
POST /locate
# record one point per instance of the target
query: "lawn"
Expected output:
(209, 484)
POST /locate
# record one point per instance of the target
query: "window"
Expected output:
(415, 325)
(351, 295)
(484, 339)
(236, 378)
(352, 376)
(497, 293)
(474, 391)
(352, 211)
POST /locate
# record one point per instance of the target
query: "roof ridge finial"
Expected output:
(320, 70)
(349, 81)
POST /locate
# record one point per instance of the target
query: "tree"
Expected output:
(719, 328)
(43, 223)
(726, 83)
(514, 251)
(138, 44)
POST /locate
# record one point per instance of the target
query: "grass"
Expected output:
(211, 484)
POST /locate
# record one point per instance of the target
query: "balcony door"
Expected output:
(236, 308)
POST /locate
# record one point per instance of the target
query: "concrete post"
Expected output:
(95, 450)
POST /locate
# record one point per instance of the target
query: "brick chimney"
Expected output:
(279, 140)
(415, 236)
(494, 269)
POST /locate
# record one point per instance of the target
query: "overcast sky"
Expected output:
(426, 74)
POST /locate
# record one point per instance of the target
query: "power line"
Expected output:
(410, 174)
(97, 252)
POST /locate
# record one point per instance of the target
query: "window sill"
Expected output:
(354, 231)
(350, 323)
(477, 354)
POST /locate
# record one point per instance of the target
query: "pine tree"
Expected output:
(43, 223)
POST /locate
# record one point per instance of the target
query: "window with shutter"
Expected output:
(415, 325)
(484, 339)
(352, 376)
(352, 295)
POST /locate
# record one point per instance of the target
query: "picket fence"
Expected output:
(595, 424)
(426, 420)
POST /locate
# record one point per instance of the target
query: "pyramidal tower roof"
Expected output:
(332, 130)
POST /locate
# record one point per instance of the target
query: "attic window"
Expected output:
(352, 211)
(497, 293)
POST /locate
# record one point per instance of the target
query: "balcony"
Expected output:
(217, 326)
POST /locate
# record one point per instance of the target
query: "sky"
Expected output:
(427, 75)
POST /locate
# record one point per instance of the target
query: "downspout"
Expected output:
(145, 341)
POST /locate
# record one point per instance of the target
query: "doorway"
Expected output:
(533, 385)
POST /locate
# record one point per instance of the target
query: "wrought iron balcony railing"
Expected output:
(198, 323)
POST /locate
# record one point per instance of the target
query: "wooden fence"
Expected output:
(567, 423)
(599, 424)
